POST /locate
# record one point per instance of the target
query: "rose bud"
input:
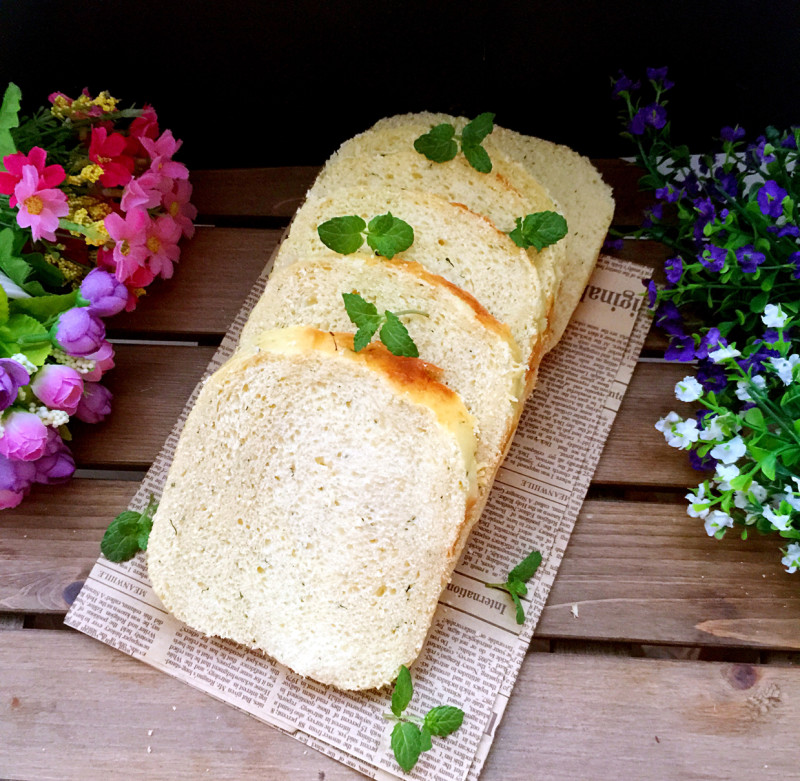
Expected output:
(78, 332)
(105, 294)
(24, 436)
(16, 478)
(58, 387)
(13, 376)
(57, 464)
(95, 403)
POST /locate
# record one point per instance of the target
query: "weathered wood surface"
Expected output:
(570, 716)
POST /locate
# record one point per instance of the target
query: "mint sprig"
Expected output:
(540, 230)
(517, 578)
(385, 234)
(411, 735)
(128, 533)
(394, 335)
(440, 143)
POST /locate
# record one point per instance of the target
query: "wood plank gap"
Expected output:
(245, 221)
(131, 475)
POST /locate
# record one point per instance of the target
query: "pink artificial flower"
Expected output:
(56, 464)
(103, 361)
(130, 234)
(38, 209)
(49, 175)
(145, 126)
(109, 152)
(24, 436)
(16, 478)
(58, 387)
(143, 192)
(161, 152)
(176, 202)
(95, 404)
(163, 235)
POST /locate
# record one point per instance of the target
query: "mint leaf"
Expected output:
(342, 234)
(526, 569)
(478, 158)
(474, 132)
(388, 235)
(539, 230)
(121, 540)
(406, 744)
(443, 720)
(365, 316)
(396, 337)
(403, 691)
(438, 144)
(9, 118)
(515, 584)
(425, 742)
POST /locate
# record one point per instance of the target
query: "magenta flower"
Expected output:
(130, 235)
(49, 175)
(176, 202)
(144, 192)
(38, 209)
(103, 361)
(24, 436)
(78, 332)
(163, 235)
(13, 376)
(57, 464)
(161, 153)
(110, 153)
(95, 404)
(58, 387)
(16, 478)
(105, 294)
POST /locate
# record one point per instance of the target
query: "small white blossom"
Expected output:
(688, 389)
(723, 353)
(683, 434)
(789, 497)
(785, 367)
(780, 522)
(729, 452)
(81, 365)
(666, 423)
(696, 499)
(792, 558)
(29, 365)
(740, 500)
(725, 474)
(741, 387)
(758, 491)
(717, 520)
(774, 316)
(719, 427)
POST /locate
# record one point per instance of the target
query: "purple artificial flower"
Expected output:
(13, 376)
(749, 259)
(16, 478)
(715, 260)
(623, 84)
(757, 360)
(732, 133)
(668, 194)
(95, 403)
(24, 436)
(659, 75)
(58, 387)
(701, 463)
(758, 153)
(652, 292)
(78, 332)
(613, 245)
(782, 231)
(711, 376)
(57, 464)
(770, 199)
(790, 142)
(105, 293)
(727, 183)
(680, 348)
(709, 341)
(674, 270)
(669, 319)
(654, 115)
(794, 259)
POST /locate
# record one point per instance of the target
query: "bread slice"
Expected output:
(450, 241)
(477, 355)
(585, 200)
(315, 505)
(384, 158)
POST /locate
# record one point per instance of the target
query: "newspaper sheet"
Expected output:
(475, 647)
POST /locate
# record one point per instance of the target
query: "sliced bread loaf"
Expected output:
(315, 506)
(449, 240)
(477, 355)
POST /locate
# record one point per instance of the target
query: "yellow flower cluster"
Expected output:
(89, 173)
(90, 212)
(63, 109)
(73, 272)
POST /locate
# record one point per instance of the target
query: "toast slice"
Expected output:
(315, 506)
(450, 241)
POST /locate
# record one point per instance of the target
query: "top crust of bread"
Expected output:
(302, 556)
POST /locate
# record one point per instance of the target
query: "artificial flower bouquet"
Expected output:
(730, 304)
(92, 209)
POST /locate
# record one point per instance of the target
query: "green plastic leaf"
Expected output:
(406, 744)
(9, 118)
(477, 157)
(403, 691)
(21, 325)
(396, 337)
(475, 131)
(43, 308)
(526, 569)
(768, 466)
(388, 235)
(122, 538)
(539, 230)
(3, 306)
(342, 234)
(444, 720)
(438, 144)
(754, 418)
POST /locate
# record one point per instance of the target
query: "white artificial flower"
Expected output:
(729, 452)
(688, 389)
(666, 423)
(712, 429)
(792, 558)
(785, 366)
(740, 500)
(741, 387)
(789, 497)
(717, 520)
(774, 316)
(780, 522)
(723, 353)
(758, 491)
(683, 434)
(725, 474)
(697, 498)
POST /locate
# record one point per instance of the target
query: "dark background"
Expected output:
(248, 83)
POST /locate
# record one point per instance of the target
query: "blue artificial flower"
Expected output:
(654, 115)
(668, 317)
(680, 348)
(652, 292)
(623, 84)
(770, 199)
(790, 142)
(785, 230)
(749, 259)
(732, 133)
(674, 270)
(711, 376)
(727, 183)
(758, 154)
(709, 341)
(794, 259)
(702, 463)
(668, 194)
(659, 75)
(715, 259)
(610, 245)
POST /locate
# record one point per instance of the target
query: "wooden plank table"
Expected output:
(661, 653)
